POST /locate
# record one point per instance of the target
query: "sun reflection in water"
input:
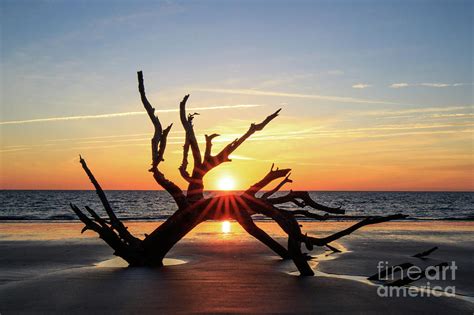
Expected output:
(225, 227)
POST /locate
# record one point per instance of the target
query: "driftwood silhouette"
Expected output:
(423, 255)
(194, 207)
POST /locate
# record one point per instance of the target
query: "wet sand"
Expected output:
(51, 268)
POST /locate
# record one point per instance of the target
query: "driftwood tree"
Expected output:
(194, 207)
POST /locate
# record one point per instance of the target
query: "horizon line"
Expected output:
(241, 190)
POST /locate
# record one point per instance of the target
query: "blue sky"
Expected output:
(325, 61)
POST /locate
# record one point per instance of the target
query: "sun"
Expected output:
(226, 183)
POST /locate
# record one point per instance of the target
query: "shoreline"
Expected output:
(239, 191)
(6, 219)
(53, 230)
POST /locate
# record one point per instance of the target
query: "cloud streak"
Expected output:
(361, 86)
(460, 115)
(420, 110)
(125, 114)
(380, 131)
(109, 136)
(432, 85)
(340, 99)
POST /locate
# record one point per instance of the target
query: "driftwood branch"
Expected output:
(102, 222)
(208, 151)
(195, 180)
(158, 145)
(129, 252)
(184, 163)
(154, 119)
(187, 122)
(303, 198)
(271, 176)
(425, 253)
(247, 223)
(114, 221)
(278, 187)
(368, 221)
(308, 214)
(334, 249)
(223, 155)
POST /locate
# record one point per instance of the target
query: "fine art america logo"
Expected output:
(395, 279)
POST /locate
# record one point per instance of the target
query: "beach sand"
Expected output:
(51, 268)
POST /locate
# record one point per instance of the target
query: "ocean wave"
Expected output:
(21, 205)
(57, 218)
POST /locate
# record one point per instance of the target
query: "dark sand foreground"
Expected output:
(46, 268)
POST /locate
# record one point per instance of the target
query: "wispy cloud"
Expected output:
(433, 85)
(440, 85)
(413, 133)
(459, 115)
(64, 118)
(131, 135)
(420, 110)
(13, 150)
(399, 85)
(100, 137)
(295, 95)
(403, 127)
(378, 131)
(240, 157)
(125, 114)
(361, 86)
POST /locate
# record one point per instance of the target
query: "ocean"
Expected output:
(50, 205)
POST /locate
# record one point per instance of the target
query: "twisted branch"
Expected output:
(368, 221)
(271, 176)
(223, 155)
(114, 221)
(187, 122)
(302, 198)
(158, 145)
(207, 153)
(278, 187)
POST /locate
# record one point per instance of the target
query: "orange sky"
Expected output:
(323, 154)
(373, 96)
